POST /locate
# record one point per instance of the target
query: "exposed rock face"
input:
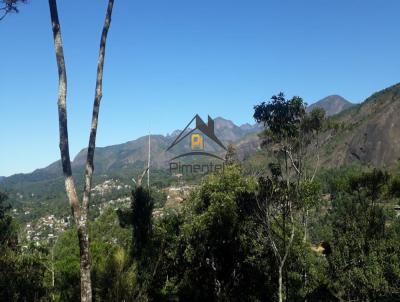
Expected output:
(371, 134)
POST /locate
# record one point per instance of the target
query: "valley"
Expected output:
(39, 195)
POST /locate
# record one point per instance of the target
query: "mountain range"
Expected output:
(332, 105)
(369, 134)
(131, 157)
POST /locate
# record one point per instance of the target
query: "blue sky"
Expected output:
(167, 60)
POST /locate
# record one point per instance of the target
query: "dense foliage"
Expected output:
(215, 248)
(287, 232)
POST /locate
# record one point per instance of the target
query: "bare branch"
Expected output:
(3, 16)
(96, 107)
(62, 112)
(289, 246)
(317, 164)
(292, 161)
(139, 182)
(10, 6)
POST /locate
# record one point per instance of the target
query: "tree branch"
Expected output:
(292, 161)
(317, 164)
(96, 107)
(62, 113)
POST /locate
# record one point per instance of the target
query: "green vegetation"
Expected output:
(275, 227)
(23, 274)
(216, 248)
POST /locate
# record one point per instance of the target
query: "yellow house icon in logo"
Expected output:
(196, 142)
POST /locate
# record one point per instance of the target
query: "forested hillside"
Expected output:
(195, 158)
(276, 226)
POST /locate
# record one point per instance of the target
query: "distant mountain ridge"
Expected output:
(133, 154)
(332, 105)
(370, 132)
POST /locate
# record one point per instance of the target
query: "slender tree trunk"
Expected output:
(280, 288)
(305, 225)
(83, 233)
(79, 212)
(62, 111)
(85, 263)
(96, 107)
(80, 220)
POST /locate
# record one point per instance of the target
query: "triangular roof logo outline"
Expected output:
(207, 129)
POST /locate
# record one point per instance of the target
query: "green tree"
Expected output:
(7, 232)
(218, 246)
(139, 218)
(364, 263)
(231, 155)
(22, 275)
(112, 276)
(289, 132)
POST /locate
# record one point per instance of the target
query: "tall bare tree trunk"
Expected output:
(96, 107)
(79, 212)
(70, 187)
(86, 291)
(62, 111)
(280, 282)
